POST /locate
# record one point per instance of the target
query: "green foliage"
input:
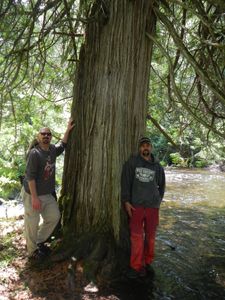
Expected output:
(8, 186)
(177, 159)
(201, 163)
(163, 163)
(9, 177)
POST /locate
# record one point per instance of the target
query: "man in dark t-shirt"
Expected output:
(38, 187)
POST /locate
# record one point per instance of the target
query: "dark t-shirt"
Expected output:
(41, 168)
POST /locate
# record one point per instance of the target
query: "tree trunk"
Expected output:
(109, 109)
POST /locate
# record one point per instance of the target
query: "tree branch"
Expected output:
(157, 125)
(179, 43)
(176, 90)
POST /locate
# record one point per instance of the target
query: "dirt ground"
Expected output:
(21, 280)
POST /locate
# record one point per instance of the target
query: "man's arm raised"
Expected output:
(70, 126)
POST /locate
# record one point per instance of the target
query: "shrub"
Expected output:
(200, 163)
(177, 159)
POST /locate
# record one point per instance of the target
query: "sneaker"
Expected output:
(37, 255)
(44, 249)
(134, 274)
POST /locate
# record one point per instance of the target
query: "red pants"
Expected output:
(143, 224)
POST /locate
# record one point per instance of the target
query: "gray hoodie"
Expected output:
(142, 182)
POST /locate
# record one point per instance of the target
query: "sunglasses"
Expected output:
(46, 133)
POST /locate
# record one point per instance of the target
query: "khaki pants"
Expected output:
(50, 214)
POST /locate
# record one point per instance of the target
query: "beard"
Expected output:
(46, 141)
(145, 153)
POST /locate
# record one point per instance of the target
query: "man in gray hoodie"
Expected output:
(142, 190)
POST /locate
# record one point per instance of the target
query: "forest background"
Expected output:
(39, 50)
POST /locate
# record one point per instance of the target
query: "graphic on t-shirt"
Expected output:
(144, 174)
(49, 169)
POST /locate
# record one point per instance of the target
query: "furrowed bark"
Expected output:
(109, 109)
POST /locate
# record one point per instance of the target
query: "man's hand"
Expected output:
(129, 208)
(70, 124)
(36, 203)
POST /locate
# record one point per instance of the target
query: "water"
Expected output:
(188, 187)
(11, 208)
(190, 245)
